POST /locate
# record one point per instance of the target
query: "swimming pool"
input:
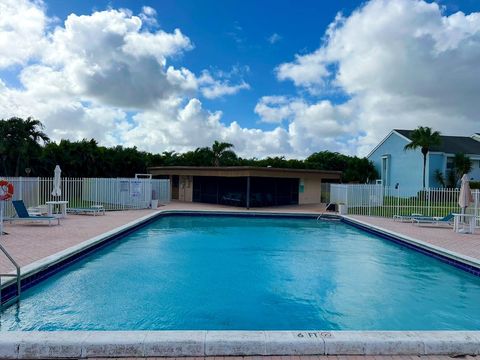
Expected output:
(246, 273)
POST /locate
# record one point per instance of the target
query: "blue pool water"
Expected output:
(249, 274)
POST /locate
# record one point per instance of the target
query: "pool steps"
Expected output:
(104, 344)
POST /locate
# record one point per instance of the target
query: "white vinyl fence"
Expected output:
(377, 200)
(112, 193)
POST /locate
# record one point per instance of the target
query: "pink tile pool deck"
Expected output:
(443, 237)
(28, 243)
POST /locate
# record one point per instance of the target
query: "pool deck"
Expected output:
(32, 245)
(444, 237)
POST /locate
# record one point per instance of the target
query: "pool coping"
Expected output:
(83, 344)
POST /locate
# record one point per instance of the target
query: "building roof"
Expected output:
(241, 171)
(451, 144)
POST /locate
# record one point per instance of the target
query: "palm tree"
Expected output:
(462, 164)
(21, 139)
(220, 151)
(424, 138)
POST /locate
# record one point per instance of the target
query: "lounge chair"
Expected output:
(408, 218)
(435, 221)
(23, 215)
(95, 210)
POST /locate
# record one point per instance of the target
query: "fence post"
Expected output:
(20, 188)
(476, 207)
(428, 202)
(369, 200)
(96, 191)
(398, 199)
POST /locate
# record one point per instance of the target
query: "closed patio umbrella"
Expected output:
(466, 197)
(57, 190)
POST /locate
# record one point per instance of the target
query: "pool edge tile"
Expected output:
(225, 343)
(294, 343)
(10, 344)
(374, 343)
(174, 343)
(113, 344)
(451, 342)
(41, 345)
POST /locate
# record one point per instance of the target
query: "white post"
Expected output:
(398, 199)
(476, 207)
(20, 190)
(428, 201)
(369, 200)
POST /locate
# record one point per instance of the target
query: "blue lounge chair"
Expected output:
(435, 221)
(23, 215)
(408, 218)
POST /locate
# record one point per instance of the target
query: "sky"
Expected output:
(274, 78)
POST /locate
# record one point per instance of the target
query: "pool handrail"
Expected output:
(17, 275)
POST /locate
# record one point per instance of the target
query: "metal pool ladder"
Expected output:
(16, 275)
(329, 217)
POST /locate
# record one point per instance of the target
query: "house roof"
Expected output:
(451, 144)
(241, 171)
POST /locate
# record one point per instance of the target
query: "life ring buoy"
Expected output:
(6, 190)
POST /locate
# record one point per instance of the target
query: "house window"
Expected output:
(449, 163)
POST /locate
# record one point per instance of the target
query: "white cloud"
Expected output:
(149, 16)
(311, 127)
(402, 63)
(275, 109)
(22, 27)
(212, 88)
(307, 70)
(107, 59)
(274, 38)
(173, 126)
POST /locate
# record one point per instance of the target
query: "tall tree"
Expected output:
(21, 140)
(221, 151)
(424, 138)
(462, 164)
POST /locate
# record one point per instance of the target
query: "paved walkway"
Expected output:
(29, 242)
(465, 244)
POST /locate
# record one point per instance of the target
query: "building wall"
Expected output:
(405, 167)
(311, 191)
(185, 192)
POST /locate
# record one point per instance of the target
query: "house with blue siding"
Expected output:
(405, 167)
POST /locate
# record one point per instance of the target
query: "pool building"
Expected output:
(244, 185)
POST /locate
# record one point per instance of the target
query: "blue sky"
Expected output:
(284, 77)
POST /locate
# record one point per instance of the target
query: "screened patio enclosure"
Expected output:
(245, 186)
(263, 191)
